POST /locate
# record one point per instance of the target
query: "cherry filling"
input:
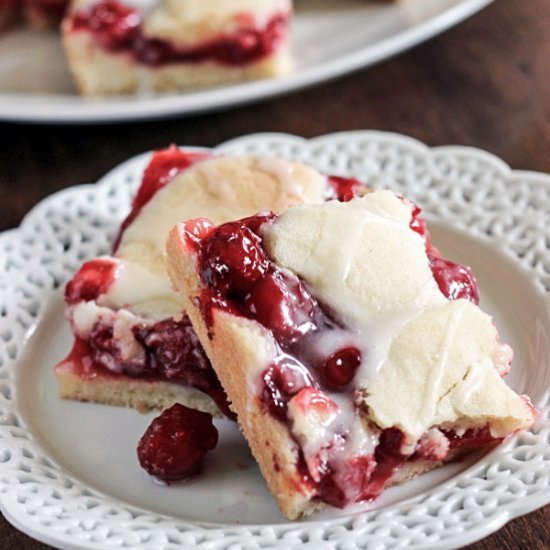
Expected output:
(340, 368)
(282, 381)
(454, 280)
(474, 437)
(344, 189)
(239, 276)
(164, 166)
(118, 28)
(280, 302)
(90, 281)
(171, 351)
(234, 261)
(168, 350)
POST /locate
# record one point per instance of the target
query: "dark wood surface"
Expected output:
(485, 83)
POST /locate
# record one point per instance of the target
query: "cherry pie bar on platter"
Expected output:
(354, 355)
(133, 346)
(122, 47)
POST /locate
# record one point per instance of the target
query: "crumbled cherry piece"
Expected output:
(233, 259)
(340, 368)
(281, 382)
(344, 189)
(175, 443)
(455, 281)
(90, 281)
(163, 167)
(281, 303)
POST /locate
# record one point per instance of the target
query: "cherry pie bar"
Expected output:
(354, 355)
(132, 344)
(123, 47)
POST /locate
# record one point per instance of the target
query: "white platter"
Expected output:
(331, 38)
(68, 471)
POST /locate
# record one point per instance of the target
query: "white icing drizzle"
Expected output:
(284, 172)
(135, 284)
(502, 358)
(471, 384)
(433, 385)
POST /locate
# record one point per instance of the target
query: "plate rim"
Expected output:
(505, 515)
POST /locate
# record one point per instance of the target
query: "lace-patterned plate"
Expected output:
(68, 471)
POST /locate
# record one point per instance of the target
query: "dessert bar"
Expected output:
(354, 355)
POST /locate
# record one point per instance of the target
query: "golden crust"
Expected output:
(123, 391)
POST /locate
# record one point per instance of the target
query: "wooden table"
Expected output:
(485, 83)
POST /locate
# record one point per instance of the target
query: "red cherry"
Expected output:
(194, 231)
(282, 304)
(281, 382)
(312, 400)
(233, 259)
(340, 368)
(91, 280)
(345, 189)
(455, 281)
(174, 445)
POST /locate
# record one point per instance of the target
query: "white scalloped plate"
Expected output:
(68, 471)
(331, 38)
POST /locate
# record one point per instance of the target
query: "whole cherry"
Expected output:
(233, 259)
(175, 443)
